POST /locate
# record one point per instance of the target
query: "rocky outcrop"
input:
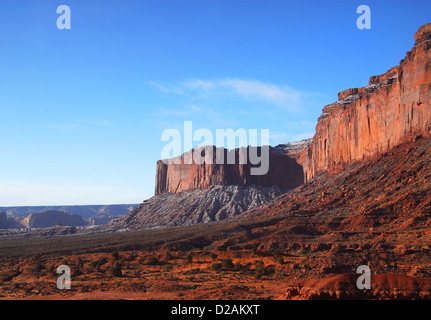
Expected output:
(214, 190)
(196, 206)
(176, 175)
(368, 121)
(53, 218)
(4, 223)
(343, 286)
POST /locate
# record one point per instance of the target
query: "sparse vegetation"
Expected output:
(169, 256)
(227, 263)
(238, 267)
(115, 255)
(116, 270)
(221, 248)
(216, 266)
(213, 255)
(192, 271)
(152, 261)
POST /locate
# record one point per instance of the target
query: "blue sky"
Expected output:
(82, 110)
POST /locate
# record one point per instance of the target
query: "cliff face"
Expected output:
(363, 123)
(172, 177)
(369, 121)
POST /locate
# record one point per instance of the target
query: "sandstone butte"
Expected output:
(284, 171)
(363, 123)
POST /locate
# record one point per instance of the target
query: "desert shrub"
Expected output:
(193, 271)
(275, 252)
(227, 263)
(189, 257)
(216, 266)
(238, 266)
(221, 248)
(153, 261)
(167, 267)
(51, 269)
(258, 263)
(36, 268)
(131, 257)
(281, 260)
(116, 270)
(5, 277)
(237, 254)
(115, 255)
(76, 272)
(213, 255)
(305, 253)
(168, 256)
(80, 262)
(96, 264)
(259, 272)
(90, 269)
(269, 270)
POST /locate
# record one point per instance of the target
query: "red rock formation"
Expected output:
(363, 123)
(369, 121)
(173, 177)
(343, 286)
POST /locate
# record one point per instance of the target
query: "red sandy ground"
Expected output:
(309, 241)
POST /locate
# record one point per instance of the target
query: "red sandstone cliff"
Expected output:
(364, 122)
(284, 171)
(369, 121)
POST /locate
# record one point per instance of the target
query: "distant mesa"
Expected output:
(52, 218)
(49, 216)
(41, 220)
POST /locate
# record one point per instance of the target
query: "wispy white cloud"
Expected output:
(167, 88)
(159, 86)
(188, 110)
(199, 84)
(252, 90)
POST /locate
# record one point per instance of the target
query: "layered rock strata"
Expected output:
(176, 175)
(369, 121)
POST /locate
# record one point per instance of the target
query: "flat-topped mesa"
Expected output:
(177, 174)
(368, 121)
